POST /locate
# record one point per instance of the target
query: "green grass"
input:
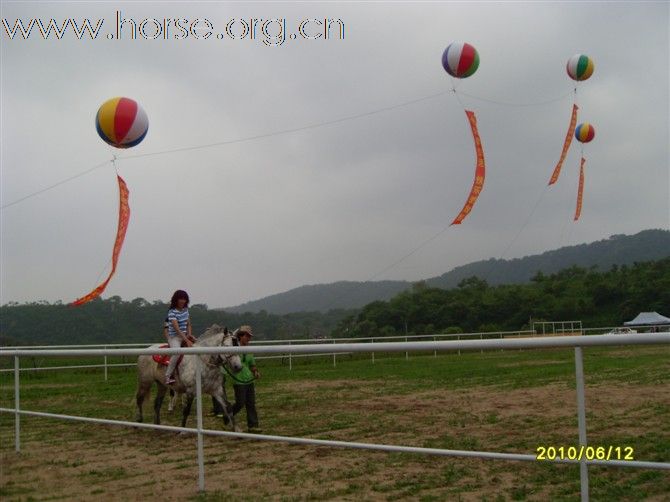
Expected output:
(316, 399)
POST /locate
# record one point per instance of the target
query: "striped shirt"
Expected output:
(181, 316)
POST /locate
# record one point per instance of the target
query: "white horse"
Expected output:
(149, 371)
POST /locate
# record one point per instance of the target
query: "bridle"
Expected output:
(223, 359)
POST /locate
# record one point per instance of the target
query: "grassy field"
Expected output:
(510, 401)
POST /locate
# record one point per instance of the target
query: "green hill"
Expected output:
(617, 250)
(323, 297)
(597, 298)
(589, 292)
(114, 320)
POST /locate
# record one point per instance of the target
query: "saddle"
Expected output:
(164, 360)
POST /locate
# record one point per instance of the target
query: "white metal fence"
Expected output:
(319, 348)
(567, 327)
(288, 356)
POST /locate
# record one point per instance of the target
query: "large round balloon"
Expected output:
(460, 60)
(585, 132)
(580, 67)
(121, 122)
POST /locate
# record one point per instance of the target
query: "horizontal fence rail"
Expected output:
(578, 342)
(375, 339)
(318, 348)
(74, 367)
(288, 352)
(289, 355)
(490, 334)
(346, 444)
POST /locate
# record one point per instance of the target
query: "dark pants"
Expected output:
(245, 396)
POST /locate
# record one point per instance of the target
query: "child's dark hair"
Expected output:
(179, 295)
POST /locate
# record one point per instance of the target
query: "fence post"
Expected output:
(481, 337)
(581, 419)
(198, 396)
(458, 337)
(290, 359)
(334, 357)
(105, 364)
(406, 353)
(17, 416)
(373, 354)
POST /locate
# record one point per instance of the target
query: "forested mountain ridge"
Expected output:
(595, 297)
(114, 320)
(322, 297)
(619, 250)
(647, 245)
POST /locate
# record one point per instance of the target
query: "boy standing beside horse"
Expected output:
(243, 383)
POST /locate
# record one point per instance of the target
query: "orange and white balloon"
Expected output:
(585, 132)
(121, 122)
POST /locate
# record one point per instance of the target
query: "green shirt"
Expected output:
(245, 376)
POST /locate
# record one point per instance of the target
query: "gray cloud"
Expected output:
(343, 201)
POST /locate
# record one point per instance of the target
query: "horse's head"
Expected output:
(233, 361)
(217, 336)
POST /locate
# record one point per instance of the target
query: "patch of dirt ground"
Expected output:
(90, 462)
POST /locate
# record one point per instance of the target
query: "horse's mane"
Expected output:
(211, 336)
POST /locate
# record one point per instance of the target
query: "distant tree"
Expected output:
(139, 303)
(598, 297)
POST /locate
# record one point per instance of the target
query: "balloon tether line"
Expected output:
(511, 243)
(271, 134)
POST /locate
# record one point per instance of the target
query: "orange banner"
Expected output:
(124, 217)
(580, 191)
(566, 145)
(480, 171)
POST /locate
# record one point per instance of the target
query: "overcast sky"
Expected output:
(340, 202)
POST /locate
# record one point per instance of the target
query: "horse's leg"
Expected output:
(228, 417)
(143, 391)
(228, 408)
(187, 409)
(173, 399)
(144, 383)
(160, 395)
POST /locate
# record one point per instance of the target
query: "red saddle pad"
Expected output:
(162, 359)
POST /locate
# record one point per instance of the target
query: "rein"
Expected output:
(235, 378)
(223, 365)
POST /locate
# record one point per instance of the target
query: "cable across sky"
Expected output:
(273, 134)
